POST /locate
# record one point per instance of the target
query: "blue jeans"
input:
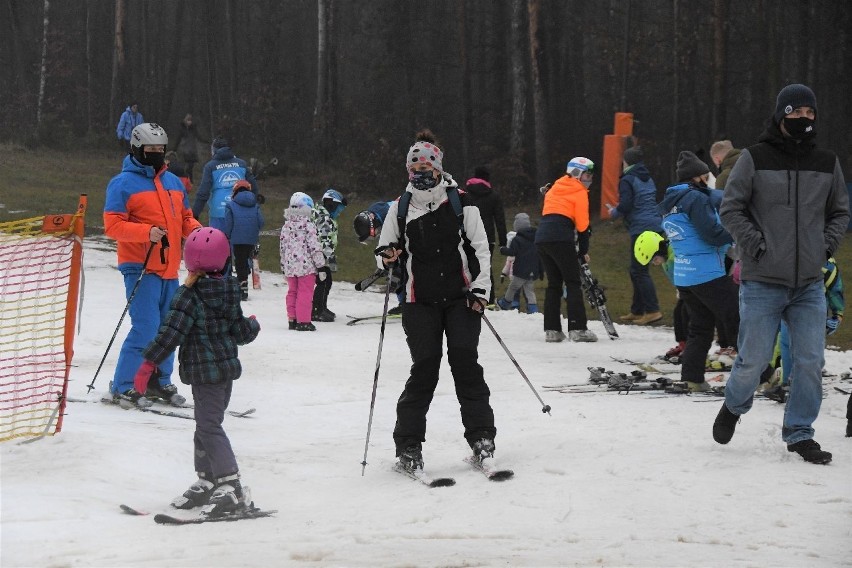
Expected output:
(762, 309)
(147, 311)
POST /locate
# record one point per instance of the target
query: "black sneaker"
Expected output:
(197, 495)
(305, 327)
(810, 451)
(411, 458)
(483, 448)
(395, 311)
(725, 424)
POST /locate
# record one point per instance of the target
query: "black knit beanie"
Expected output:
(633, 155)
(482, 172)
(792, 97)
(689, 166)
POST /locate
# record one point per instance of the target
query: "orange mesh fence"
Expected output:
(40, 266)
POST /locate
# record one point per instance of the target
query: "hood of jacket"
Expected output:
(639, 170)
(245, 198)
(478, 187)
(673, 194)
(730, 158)
(223, 154)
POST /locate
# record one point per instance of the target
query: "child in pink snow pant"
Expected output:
(300, 297)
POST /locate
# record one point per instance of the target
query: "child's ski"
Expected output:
(420, 475)
(255, 270)
(597, 299)
(488, 471)
(131, 511)
(252, 513)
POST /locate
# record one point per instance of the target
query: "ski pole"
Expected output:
(124, 313)
(376, 375)
(545, 408)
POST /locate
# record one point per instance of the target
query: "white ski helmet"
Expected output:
(579, 165)
(148, 134)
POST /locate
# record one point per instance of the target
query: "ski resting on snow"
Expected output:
(164, 519)
(423, 477)
(488, 471)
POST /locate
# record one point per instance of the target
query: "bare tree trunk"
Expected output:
(717, 119)
(539, 113)
(320, 122)
(211, 74)
(331, 87)
(117, 58)
(675, 87)
(43, 74)
(89, 82)
(467, 119)
(170, 80)
(625, 57)
(231, 57)
(519, 76)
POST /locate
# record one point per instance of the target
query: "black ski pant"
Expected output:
(242, 258)
(323, 287)
(562, 268)
(713, 303)
(425, 326)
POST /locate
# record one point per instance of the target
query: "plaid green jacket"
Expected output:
(207, 322)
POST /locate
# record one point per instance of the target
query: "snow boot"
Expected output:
(395, 311)
(724, 425)
(306, 326)
(323, 315)
(810, 451)
(197, 495)
(291, 324)
(504, 304)
(411, 458)
(675, 352)
(553, 336)
(532, 308)
(582, 335)
(244, 290)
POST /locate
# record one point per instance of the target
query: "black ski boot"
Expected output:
(725, 424)
(411, 458)
(483, 449)
(197, 495)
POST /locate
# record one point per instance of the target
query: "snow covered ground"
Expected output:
(606, 480)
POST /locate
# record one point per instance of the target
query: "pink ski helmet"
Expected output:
(206, 250)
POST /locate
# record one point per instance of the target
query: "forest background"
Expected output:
(337, 89)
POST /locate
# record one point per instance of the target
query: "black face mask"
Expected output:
(423, 180)
(801, 128)
(154, 159)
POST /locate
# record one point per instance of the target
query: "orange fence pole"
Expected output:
(613, 148)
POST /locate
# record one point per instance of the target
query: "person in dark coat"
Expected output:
(637, 205)
(526, 268)
(724, 156)
(243, 222)
(186, 144)
(490, 206)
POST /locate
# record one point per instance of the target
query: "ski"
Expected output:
(131, 511)
(251, 513)
(189, 406)
(255, 273)
(370, 280)
(354, 320)
(488, 471)
(597, 299)
(422, 477)
(127, 405)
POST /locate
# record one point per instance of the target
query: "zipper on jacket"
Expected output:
(796, 217)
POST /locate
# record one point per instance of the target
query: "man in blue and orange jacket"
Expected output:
(147, 212)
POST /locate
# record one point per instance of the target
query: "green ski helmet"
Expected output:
(647, 245)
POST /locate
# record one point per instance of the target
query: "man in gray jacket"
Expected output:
(787, 208)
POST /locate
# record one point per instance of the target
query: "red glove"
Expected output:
(143, 375)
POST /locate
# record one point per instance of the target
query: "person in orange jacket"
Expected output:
(565, 212)
(147, 212)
